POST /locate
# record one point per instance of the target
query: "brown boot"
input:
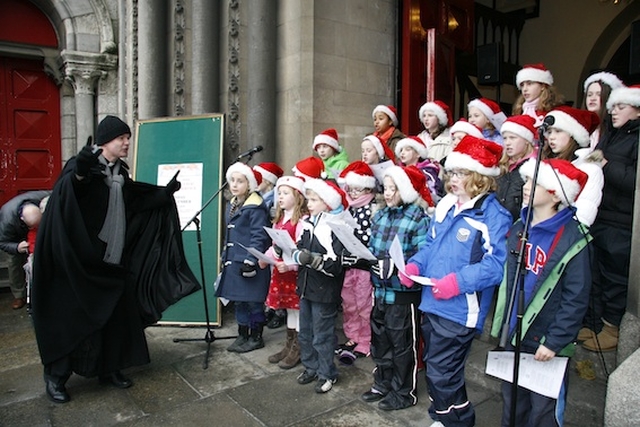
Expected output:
(585, 334)
(606, 340)
(275, 358)
(293, 357)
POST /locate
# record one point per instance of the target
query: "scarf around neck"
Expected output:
(113, 229)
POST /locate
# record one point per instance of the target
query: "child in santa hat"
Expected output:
(519, 136)
(436, 119)
(556, 284)
(568, 139)
(395, 318)
(375, 151)
(464, 256)
(320, 278)
(241, 280)
(612, 229)
(360, 185)
(291, 211)
(412, 151)
(270, 173)
(538, 95)
(597, 88)
(385, 124)
(329, 150)
(487, 115)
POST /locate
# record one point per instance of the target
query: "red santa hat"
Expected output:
(291, 181)
(332, 195)
(463, 125)
(414, 142)
(534, 73)
(609, 79)
(557, 176)
(440, 109)
(309, 168)
(577, 123)
(328, 137)
(254, 177)
(269, 171)
(523, 126)
(389, 110)
(384, 152)
(491, 109)
(624, 95)
(476, 155)
(358, 174)
(410, 182)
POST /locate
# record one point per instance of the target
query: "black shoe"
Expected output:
(307, 377)
(116, 379)
(371, 396)
(276, 321)
(56, 393)
(390, 405)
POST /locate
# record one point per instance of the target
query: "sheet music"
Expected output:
(256, 253)
(350, 242)
(397, 257)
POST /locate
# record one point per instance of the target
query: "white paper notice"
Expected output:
(189, 197)
(395, 252)
(351, 243)
(379, 168)
(282, 238)
(256, 253)
(544, 378)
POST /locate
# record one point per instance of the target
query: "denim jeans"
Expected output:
(316, 337)
(249, 314)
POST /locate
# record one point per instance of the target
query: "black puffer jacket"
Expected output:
(509, 192)
(620, 149)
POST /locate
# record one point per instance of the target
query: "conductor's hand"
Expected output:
(86, 159)
(173, 185)
(248, 269)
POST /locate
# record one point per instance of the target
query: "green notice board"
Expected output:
(194, 146)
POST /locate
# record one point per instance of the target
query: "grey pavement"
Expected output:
(235, 390)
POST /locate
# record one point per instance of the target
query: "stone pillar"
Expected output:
(205, 75)
(261, 86)
(152, 58)
(83, 70)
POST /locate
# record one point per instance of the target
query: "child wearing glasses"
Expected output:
(464, 255)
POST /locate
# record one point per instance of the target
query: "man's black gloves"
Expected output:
(86, 159)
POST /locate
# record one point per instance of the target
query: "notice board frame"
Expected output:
(189, 140)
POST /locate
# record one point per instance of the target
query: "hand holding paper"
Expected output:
(395, 252)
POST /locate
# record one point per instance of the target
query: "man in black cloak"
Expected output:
(108, 260)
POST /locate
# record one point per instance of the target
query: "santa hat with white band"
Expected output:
(414, 142)
(383, 150)
(389, 110)
(476, 155)
(522, 125)
(557, 176)
(440, 109)
(254, 177)
(291, 181)
(269, 171)
(534, 73)
(328, 137)
(332, 195)
(410, 183)
(358, 174)
(609, 79)
(625, 95)
(491, 109)
(580, 124)
(463, 125)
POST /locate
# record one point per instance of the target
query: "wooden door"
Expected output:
(30, 146)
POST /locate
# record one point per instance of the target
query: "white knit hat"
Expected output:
(558, 176)
(624, 95)
(328, 137)
(534, 73)
(332, 195)
(254, 177)
(389, 110)
(291, 181)
(414, 142)
(609, 79)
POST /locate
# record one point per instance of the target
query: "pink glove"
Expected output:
(445, 288)
(412, 270)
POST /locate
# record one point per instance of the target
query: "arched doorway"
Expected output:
(30, 150)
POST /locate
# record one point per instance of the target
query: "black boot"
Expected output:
(243, 337)
(278, 319)
(56, 391)
(254, 342)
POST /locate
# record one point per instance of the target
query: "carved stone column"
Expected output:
(206, 57)
(152, 58)
(83, 70)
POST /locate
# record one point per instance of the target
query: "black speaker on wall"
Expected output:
(634, 51)
(489, 61)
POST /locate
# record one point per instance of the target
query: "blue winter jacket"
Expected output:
(471, 244)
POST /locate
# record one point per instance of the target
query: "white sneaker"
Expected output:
(437, 424)
(323, 386)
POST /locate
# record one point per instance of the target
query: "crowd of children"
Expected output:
(456, 197)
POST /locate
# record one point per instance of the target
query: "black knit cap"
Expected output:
(110, 128)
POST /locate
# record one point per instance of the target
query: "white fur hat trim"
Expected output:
(421, 149)
(327, 193)
(437, 110)
(550, 179)
(457, 160)
(567, 123)
(624, 95)
(609, 79)
(530, 74)
(291, 181)
(408, 194)
(355, 180)
(515, 128)
(245, 170)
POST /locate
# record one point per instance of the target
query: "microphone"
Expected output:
(250, 152)
(547, 123)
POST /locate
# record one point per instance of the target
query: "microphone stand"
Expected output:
(518, 288)
(209, 335)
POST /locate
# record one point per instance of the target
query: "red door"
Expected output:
(30, 153)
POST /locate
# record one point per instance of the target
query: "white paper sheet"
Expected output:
(256, 253)
(544, 378)
(397, 256)
(379, 168)
(351, 243)
(282, 238)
